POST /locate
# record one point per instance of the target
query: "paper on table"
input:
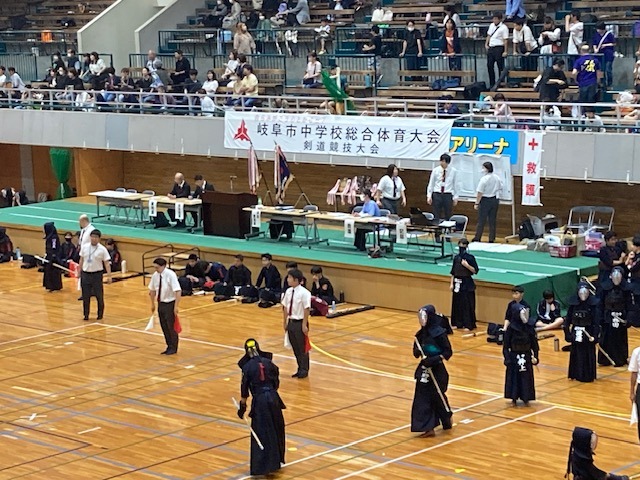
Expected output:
(447, 224)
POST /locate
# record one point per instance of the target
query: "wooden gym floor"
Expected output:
(88, 400)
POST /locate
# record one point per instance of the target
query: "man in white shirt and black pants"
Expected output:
(165, 289)
(634, 368)
(84, 237)
(296, 305)
(94, 261)
(442, 190)
(487, 202)
(496, 45)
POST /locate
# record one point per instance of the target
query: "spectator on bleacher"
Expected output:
(496, 46)
(502, 111)
(636, 76)
(450, 45)
(74, 84)
(153, 62)
(85, 72)
(192, 84)
(3, 76)
(625, 105)
(549, 40)
(324, 33)
(515, 9)
(552, 81)
(108, 91)
(246, 90)
(60, 80)
(233, 16)
(56, 61)
(575, 27)
(183, 67)
(72, 60)
(299, 15)
(280, 105)
(604, 43)
(161, 76)
(207, 106)
(447, 108)
(450, 13)
(126, 87)
(374, 47)
(263, 34)
(587, 72)
(214, 19)
(164, 99)
(590, 121)
(144, 82)
(551, 116)
(16, 81)
(230, 69)
(210, 85)
(312, 75)
(412, 48)
(525, 44)
(243, 41)
(97, 71)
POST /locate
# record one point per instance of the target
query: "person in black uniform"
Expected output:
(68, 250)
(632, 264)
(237, 281)
(582, 330)
(610, 256)
(520, 350)
(6, 246)
(269, 295)
(430, 404)
(52, 279)
(517, 297)
(614, 297)
(463, 300)
(321, 286)
(201, 186)
(290, 266)
(261, 379)
(580, 462)
(181, 189)
(195, 274)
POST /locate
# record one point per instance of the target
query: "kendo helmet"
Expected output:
(423, 314)
(583, 291)
(616, 276)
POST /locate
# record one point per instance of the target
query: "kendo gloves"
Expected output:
(242, 409)
(431, 361)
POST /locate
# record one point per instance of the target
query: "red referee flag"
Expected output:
(307, 344)
(176, 325)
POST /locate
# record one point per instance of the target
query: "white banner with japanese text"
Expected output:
(531, 165)
(385, 137)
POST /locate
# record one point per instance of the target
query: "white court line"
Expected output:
(590, 412)
(37, 392)
(43, 218)
(46, 333)
(448, 442)
(89, 430)
(372, 437)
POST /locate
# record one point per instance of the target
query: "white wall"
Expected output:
(113, 30)
(146, 36)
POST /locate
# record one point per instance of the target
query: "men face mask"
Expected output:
(68, 239)
(484, 171)
(616, 277)
(410, 29)
(583, 293)
(422, 318)
(462, 249)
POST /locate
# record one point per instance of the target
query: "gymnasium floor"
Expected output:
(85, 400)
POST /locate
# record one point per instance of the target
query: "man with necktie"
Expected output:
(442, 192)
(296, 305)
(84, 238)
(164, 289)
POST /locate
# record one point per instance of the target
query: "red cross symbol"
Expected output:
(533, 144)
(242, 133)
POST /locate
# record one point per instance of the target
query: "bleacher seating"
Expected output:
(47, 14)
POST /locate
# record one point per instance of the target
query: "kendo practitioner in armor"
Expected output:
(261, 378)
(463, 299)
(614, 298)
(580, 463)
(581, 330)
(632, 264)
(430, 404)
(520, 350)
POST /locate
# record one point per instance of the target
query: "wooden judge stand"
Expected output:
(223, 215)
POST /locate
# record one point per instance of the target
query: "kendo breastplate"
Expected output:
(582, 316)
(615, 300)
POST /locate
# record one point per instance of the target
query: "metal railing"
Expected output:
(38, 42)
(479, 114)
(25, 64)
(139, 60)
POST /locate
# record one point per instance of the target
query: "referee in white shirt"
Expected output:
(487, 202)
(84, 237)
(390, 190)
(296, 305)
(634, 368)
(94, 261)
(442, 192)
(497, 43)
(165, 289)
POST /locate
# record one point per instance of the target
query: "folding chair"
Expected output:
(459, 232)
(602, 218)
(580, 218)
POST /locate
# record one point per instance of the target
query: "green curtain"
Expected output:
(61, 159)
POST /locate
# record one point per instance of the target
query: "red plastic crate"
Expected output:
(563, 251)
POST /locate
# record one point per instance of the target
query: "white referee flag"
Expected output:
(152, 320)
(634, 414)
(287, 343)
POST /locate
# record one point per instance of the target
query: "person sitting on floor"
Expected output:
(291, 266)
(6, 246)
(237, 282)
(269, 295)
(114, 253)
(549, 314)
(321, 286)
(195, 274)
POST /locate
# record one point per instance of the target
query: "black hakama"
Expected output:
(582, 359)
(519, 382)
(582, 331)
(429, 410)
(268, 423)
(614, 341)
(519, 347)
(52, 279)
(463, 309)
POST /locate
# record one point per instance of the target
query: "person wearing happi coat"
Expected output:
(430, 404)
(520, 350)
(261, 379)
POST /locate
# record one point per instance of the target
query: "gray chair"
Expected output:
(460, 230)
(602, 218)
(580, 218)
(141, 209)
(306, 208)
(115, 204)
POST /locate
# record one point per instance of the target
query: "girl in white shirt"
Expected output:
(312, 74)
(575, 27)
(450, 13)
(548, 40)
(210, 86)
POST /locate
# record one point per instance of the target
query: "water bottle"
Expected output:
(123, 266)
(18, 254)
(341, 297)
(333, 307)
(259, 202)
(556, 345)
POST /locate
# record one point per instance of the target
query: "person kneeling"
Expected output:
(583, 445)
(6, 246)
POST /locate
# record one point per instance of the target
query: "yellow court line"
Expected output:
(468, 389)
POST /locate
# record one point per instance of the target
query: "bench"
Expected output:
(340, 16)
(467, 76)
(270, 80)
